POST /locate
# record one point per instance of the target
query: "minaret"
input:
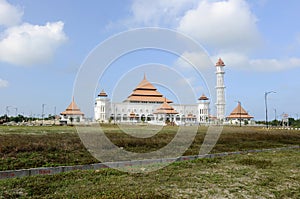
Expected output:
(220, 89)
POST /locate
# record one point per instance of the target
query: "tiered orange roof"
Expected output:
(165, 108)
(72, 109)
(102, 94)
(146, 92)
(220, 62)
(239, 112)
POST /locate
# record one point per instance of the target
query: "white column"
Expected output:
(220, 89)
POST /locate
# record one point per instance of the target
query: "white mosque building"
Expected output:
(147, 104)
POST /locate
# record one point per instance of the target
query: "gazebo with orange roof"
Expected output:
(239, 114)
(71, 113)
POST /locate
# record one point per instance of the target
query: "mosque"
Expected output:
(147, 105)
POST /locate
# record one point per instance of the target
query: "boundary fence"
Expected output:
(55, 170)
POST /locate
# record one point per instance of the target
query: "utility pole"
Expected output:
(43, 107)
(266, 105)
(240, 113)
(54, 117)
(7, 113)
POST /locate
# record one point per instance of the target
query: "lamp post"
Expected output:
(266, 105)
(275, 114)
(7, 112)
(16, 108)
(43, 107)
(54, 117)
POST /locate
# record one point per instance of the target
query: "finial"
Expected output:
(144, 75)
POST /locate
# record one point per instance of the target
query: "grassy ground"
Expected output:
(27, 147)
(261, 175)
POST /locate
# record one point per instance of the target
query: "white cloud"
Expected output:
(9, 14)
(3, 83)
(29, 44)
(201, 60)
(242, 62)
(158, 12)
(222, 24)
(275, 64)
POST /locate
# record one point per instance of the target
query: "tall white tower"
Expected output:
(220, 89)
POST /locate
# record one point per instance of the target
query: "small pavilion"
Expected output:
(72, 114)
(239, 116)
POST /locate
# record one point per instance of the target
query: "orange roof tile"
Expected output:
(203, 97)
(239, 112)
(165, 108)
(146, 92)
(220, 62)
(72, 109)
(102, 94)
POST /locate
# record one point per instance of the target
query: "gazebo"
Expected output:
(239, 116)
(72, 114)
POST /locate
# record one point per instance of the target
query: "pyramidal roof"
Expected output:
(165, 108)
(72, 109)
(146, 92)
(102, 94)
(203, 97)
(220, 62)
(239, 112)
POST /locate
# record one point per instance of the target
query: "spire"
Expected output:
(144, 76)
(220, 62)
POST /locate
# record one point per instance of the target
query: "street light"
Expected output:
(7, 112)
(16, 108)
(266, 104)
(43, 107)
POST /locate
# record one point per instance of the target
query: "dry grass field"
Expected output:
(258, 175)
(27, 147)
(261, 175)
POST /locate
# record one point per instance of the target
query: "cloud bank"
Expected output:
(27, 44)
(9, 15)
(226, 28)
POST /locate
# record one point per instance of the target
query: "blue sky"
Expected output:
(43, 44)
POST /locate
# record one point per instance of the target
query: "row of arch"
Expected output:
(152, 117)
